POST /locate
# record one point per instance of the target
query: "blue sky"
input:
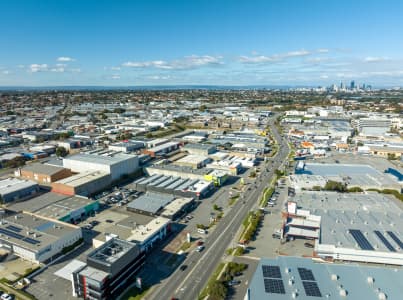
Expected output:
(288, 42)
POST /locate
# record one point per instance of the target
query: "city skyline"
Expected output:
(101, 43)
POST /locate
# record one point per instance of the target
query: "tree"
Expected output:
(16, 162)
(61, 151)
(217, 290)
(335, 186)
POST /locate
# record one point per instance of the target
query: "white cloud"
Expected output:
(58, 70)
(259, 59)
(115, 68)
(322, 50)
(324, 76)
(158, 77)
(75, 70)
(6, 72)
(34, 68)
(115, 76)
(65, 59)
(296, 53)
(372, 59)
(61, 65)
(188, 62)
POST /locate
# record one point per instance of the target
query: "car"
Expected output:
(276, 236)
(183, 267)
(199, 243)
(6, 296)
(234, 282)
(200, 248)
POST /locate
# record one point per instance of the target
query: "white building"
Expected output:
(36, 238)
(115, 164)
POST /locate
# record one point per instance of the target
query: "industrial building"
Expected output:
(200, 149)
(126, 147)
(301, 278)
(58, 207)
(113, 163)
(150, 204)
(35, 238)
(109, 270)
(42, 173)
(12, 189)
(177, 208)
(162, 149)
(193, 161)
(145, 230)
(364, 227)
(360, 175)
(175, 185)
(177, 171)
(168, 206)
(86, 183)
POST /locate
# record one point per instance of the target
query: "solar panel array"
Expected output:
(14, 228)
(271, 271)
(311, 288)
(18, 236)
(384, 241)
(361, 240)
(306, 274)
(272, 280)
(275, 286)
(395, 238)
(309, 282)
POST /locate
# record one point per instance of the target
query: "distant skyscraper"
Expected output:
(342, 87)
(352, 85)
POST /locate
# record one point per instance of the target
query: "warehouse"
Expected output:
(133, 227)
(150, 204)
(113, 163)
(35, 238)
(59, 207)
(365, 227)
(177, 208)
(200, 149)
(162, 149)
(177, 171)
(86, 183)
(12, 189)
(126, 147)
(109, 270)
(175, 185)
(193, 161)
(229, 166)
(42, 173)
(302, 278)
(361, 175)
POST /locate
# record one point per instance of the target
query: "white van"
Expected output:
(202, 231)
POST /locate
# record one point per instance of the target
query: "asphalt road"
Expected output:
(188, 284)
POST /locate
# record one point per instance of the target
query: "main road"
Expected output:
(187, 284)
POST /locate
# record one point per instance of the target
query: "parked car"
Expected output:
(6, 296)
(234, 282)
(183, 267)
(200, 248)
